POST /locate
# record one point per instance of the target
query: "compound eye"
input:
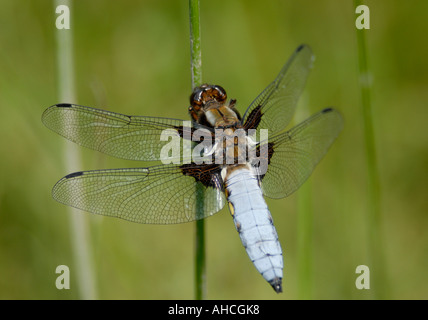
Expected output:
(196, 97)
(207, 93)
(220, 89)
(221, 93)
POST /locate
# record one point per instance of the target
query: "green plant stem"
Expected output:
(195, 43)
(79, 228)
(304, 241)
(376, 248)
(196, 72)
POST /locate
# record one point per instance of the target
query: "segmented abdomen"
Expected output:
(254, 224)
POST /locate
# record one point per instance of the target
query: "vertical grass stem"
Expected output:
(304, 241)
(196, 72)
(304, 225)
(79, 228)
(376, 248)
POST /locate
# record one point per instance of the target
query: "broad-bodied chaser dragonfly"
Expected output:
(191, 190)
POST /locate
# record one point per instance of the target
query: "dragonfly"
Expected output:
(274, 166)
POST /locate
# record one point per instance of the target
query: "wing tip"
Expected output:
(333, 110)
(303, 46)
(51, 109)
(73, 175)
(63, 105)
(299, 48)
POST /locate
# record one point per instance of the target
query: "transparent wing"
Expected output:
(273, 109)
(118, 135)
(294, 154)
(158, 195)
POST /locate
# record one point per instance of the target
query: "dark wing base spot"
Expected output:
(270, 152)
(208, 174)
(254, 118)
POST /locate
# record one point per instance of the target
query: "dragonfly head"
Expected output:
(206, 94)
(204, 97)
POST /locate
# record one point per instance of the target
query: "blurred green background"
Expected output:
(133, 57)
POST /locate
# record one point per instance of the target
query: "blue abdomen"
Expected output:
(254, 223)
